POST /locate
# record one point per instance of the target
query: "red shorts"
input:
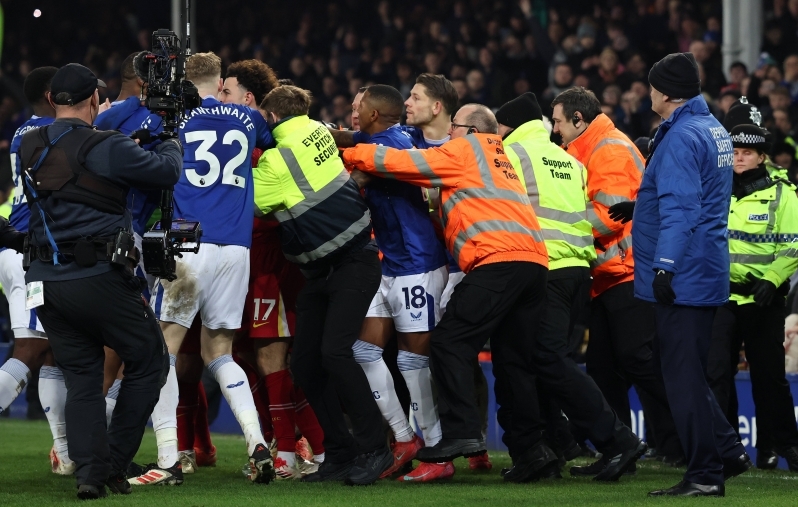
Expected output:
(274, 283)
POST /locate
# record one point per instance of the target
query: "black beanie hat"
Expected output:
(676, 76)
(742, 113)
(750, 136)
(520, 110)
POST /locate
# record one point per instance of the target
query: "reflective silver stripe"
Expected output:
(379, 162)
(751, 258)
(611, 252)
(334, 244)
(296, 171)
(596, 222)
(577, 241)
(626, 242)
(641, 166)
(792, 253)
(527, 169)
(423, 167)
(482, 163)
(772, 207)
(482, 193)
(491, 226)
(566, 217)
(609, 199)
(313, 198)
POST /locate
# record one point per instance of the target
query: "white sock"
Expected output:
(164, 418)
(415, 370)
(318, 458)
(289, 457)
(235, 387)
(110, 400)
(14, 376)
(52, 394)
(381, 382)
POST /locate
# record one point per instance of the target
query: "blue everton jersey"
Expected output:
(216, 186)
(20, 213)
(400, 215)
(127, 116)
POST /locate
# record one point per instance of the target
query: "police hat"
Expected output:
(741, 113)
(750, 136)
(72, 84)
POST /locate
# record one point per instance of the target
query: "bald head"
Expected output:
(474, 116)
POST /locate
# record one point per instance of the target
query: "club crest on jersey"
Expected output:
(758, 218)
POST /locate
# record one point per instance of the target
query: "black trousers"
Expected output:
(762, 330)
(681, 345)
(620, 354)
(80, 317)
(507, 301)
(329, 313)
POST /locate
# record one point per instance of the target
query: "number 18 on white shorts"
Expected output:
(412, 301)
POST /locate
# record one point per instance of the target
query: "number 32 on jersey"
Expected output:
(207, 138)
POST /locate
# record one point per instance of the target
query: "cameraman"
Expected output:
(76, 185)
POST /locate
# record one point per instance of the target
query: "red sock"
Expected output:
(186, 412)
(281, 406)
(261, 396)
(202, 432)
(307, 423)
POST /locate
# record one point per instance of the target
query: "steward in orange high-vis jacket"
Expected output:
(492, 232)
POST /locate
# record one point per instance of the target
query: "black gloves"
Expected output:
(622, 212)
(663, 292)
(763, 292)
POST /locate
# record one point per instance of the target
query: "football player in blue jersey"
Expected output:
(216, 190)
(413, 277)
(31, 349)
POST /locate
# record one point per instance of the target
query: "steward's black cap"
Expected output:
(72, 84)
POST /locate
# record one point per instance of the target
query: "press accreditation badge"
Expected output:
(34, 295)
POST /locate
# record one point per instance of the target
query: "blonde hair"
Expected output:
(204, 68)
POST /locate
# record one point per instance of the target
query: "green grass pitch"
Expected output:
(25, 480)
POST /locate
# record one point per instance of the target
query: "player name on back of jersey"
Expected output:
(221, 109)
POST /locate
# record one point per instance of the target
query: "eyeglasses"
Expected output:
(457, 126)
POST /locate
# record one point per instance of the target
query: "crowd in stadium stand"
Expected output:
(491, 50)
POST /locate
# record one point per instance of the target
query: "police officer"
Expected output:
(81, 273)
(325, 227)
(763, 250)
(555, 184)
(681, 264)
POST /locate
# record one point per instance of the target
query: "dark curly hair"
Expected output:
(255, 76)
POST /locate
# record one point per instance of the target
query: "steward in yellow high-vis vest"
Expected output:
(555, 185)
(325, 227)
(763, 251)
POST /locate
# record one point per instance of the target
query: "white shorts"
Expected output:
(212, 282)
(454, 279)
(24, 322)
(412, 301)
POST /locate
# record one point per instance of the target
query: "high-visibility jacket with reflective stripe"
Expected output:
(303, 184)
(485, 211)
(614, 171)
(555, 184)
(763, 236)
(776, 171)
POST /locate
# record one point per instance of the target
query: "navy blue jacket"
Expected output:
(120, 160)
(682, 208)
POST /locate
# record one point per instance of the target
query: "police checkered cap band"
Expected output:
(747, 139)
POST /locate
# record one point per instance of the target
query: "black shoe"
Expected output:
(677, 461)
(450, 448)
(590, 470)
(733, 468)
(368, 467)
(685, 488)
(330, 472)
(620, 457)
(505, 471)
(571, 451)
(791, 455)
(89, 492)
(261, 465)
(118, 484)
(134, 470)
(631, 469)
(651, 453)
(767, 459)
(533, 464)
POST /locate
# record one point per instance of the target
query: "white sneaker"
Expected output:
(285, 472)
(188, 460)
(59, 465)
